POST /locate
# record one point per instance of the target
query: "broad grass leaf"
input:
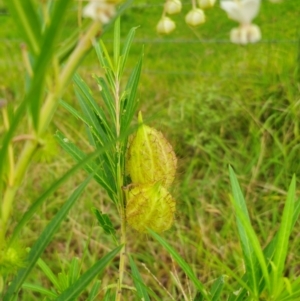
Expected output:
(257, 250)
(268, 253)
(181, 262)
(36, 90)
(217, 288)
(43, 241)
(281, 248)
(26, 18)
(251, 263)
(80, 285)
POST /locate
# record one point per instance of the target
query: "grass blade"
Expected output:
(185, 267)
(42, 242)
(39, 289)
(48, 273)
(74, 290)
(130, 103)
(141, 288)
(94, 291)
(30, 212)
(283, 236)
(116, 42)
(247, 247)
(45, 57)
(28, 23)
(126, 49)
(253, 240)
(217, 288)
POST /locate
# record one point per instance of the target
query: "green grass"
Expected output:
(218, 104)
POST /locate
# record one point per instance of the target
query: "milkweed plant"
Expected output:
(133, 162)
(241, 11)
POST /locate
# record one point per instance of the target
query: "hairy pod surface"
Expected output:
(150, 206)
(150, 157)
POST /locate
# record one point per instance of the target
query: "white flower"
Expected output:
(165, 25)
(206, 3)
(245, 34)
(99, 10)
(173, 7)
(195, 17)
(242, 11)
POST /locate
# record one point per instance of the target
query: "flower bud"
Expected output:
(165, 25)
(173, 7)
(150, 157)
(245, 34)
(150, 206)
(195, 17)
(100, 10)
(206, 3)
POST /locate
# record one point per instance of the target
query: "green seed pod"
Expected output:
(150, 206)
(150, 157)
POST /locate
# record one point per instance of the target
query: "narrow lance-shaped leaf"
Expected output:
(80, 285)
(126, 49)
(141, 288)
(33, 208)
(90, 167)
(129, 103)
(45, 58)
(104, 222)
(42, 242)
(117, 43)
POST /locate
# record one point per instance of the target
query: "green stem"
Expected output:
(46, 115)
(122, 256)
(66, 74)
(5, 210)
(121, 196)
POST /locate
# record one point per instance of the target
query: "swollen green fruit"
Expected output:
(150, 206)
(150, 157)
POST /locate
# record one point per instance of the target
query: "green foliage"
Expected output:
(219, 109)
(42, 242)
(104, 222)
(264, 275)
(79, 285)
(185, 267)
(138, 281)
